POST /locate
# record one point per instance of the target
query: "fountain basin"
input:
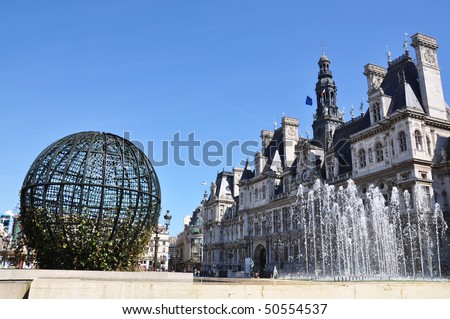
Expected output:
(58, 284)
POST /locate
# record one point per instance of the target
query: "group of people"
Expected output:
(265, 273)
(203, 273)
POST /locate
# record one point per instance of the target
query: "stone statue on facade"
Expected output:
(213, 190)
(443, 154)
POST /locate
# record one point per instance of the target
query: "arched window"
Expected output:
(402, 141)
(418, 138)
(376, 112)
(362, 158)
(379, 152)
(428, 145)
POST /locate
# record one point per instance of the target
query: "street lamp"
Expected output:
(157, 229)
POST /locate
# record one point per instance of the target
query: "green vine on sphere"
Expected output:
(80, 242)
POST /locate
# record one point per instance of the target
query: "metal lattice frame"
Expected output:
(100, 175)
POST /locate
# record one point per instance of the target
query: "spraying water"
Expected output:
(343, 236)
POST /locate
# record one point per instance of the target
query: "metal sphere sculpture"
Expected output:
(89, 201)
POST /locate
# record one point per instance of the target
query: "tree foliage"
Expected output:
(76, 241)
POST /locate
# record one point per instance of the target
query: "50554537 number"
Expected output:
(291, 308)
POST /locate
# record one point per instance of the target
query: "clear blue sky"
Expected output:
(222, 70)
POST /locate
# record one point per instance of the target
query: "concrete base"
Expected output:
(287, 289)
(54, 284)
(47, 284)
(14, 289)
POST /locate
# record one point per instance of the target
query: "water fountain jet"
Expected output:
(344, 236)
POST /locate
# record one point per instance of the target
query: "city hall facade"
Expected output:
(401, 140)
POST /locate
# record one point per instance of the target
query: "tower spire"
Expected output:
(327, 117)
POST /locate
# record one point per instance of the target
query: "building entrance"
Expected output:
(259, 258)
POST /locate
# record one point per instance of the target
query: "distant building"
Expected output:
(159, 242)
(401, 140)
(172, 252)
(189, 245)
(9, 222)
(223, 228)
(9, 228)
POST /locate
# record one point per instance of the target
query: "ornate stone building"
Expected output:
(401, 140)
(9, 229)
(222, 228)
(159, 242)
(172, 253)
(189, 243)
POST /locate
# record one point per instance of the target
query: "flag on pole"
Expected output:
(308, 100)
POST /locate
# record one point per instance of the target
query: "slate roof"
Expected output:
(341, 145)
(402, 84)
(247, 173)
(195, 217)
(224, 185)
(275, 146)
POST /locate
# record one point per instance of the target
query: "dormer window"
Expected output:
(376, 112)
(379, 152)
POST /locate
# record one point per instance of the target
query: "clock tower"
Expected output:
(327, 117)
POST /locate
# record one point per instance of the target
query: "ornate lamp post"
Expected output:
(157, 230)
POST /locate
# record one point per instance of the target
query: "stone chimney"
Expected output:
(290, 138)
(429, 75)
